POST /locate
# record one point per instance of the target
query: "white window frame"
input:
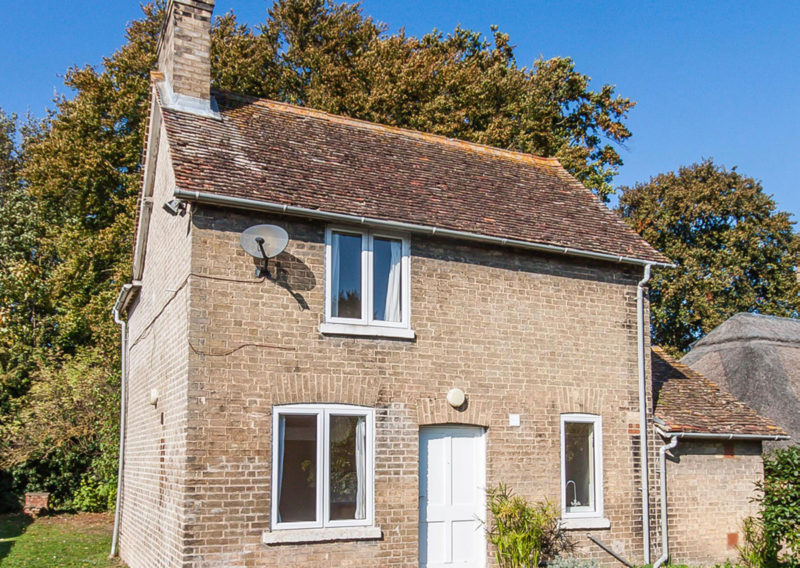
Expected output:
(323, 413)
(366, 325)
(597, 481)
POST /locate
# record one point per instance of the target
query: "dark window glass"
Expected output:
(346, 275)
(579, 466)
(297, 447)
(347, 467)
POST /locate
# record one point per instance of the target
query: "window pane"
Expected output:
(579, 466)
(348, 461)
(387, 279)
(297, 474)
(346, 276)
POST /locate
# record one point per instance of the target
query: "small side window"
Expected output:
(581, 466)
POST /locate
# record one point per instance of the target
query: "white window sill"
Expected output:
(585, 523)
(294, 536)
(366, 330)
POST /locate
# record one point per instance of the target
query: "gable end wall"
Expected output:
(153, 512)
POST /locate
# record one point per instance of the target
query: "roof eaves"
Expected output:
(265, 206)
(668, 432)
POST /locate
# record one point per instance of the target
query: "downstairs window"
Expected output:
(322, 473)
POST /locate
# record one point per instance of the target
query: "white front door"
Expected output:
(452, 504)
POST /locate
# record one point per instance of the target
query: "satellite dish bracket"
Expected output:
(263, 270)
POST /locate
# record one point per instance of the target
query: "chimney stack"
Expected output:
(184, 56)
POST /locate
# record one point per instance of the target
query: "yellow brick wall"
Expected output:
(519, 332)
(709, 495)
(152, 513)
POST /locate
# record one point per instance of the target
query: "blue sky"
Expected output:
(712, 79)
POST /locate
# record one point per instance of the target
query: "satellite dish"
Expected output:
(263, 242)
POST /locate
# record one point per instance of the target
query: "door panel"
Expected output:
(452, 479)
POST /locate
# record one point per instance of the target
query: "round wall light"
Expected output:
(456, 397)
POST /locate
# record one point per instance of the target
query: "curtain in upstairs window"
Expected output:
(387, 277)
(279, 473)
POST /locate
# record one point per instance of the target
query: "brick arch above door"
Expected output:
(432, 411)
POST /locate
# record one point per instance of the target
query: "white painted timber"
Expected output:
(452, 497)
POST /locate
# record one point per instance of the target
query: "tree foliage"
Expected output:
(331, 57)
(772, 538)
(69, 193)
(69, 232)
(735, 252)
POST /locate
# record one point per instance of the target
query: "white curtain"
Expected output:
(279, 473)
(361, 462)
(392, 310)
(335, 274)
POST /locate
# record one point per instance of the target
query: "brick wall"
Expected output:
(709, 496)
(519, 332)
(152, 513)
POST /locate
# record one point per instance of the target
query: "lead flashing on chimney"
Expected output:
(185, 103)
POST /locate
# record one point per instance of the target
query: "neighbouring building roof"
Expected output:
(288, 155)
(757, 359)
(686, 401)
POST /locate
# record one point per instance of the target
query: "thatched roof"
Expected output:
(757, 359)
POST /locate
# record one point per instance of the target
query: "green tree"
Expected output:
(68, 219)
(23, 306)
(79, 173)
(330, 57)
(735, 252)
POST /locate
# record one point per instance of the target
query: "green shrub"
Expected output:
(94, 495)
(772, 538)
(523, 533)
(758, 549)
(780, 503)
(9, 501)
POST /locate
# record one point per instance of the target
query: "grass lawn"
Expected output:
(64, 541)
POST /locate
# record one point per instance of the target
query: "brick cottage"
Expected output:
(445, 317)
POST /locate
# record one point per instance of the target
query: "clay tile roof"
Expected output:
(280, 153)
(688, 402)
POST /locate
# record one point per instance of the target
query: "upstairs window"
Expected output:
(366, 284)
(581, 466)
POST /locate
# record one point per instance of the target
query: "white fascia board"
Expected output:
(148, 181)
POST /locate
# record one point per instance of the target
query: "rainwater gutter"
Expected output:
(721, 436)
(120, 306)
(268, 207)
(643, 411)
